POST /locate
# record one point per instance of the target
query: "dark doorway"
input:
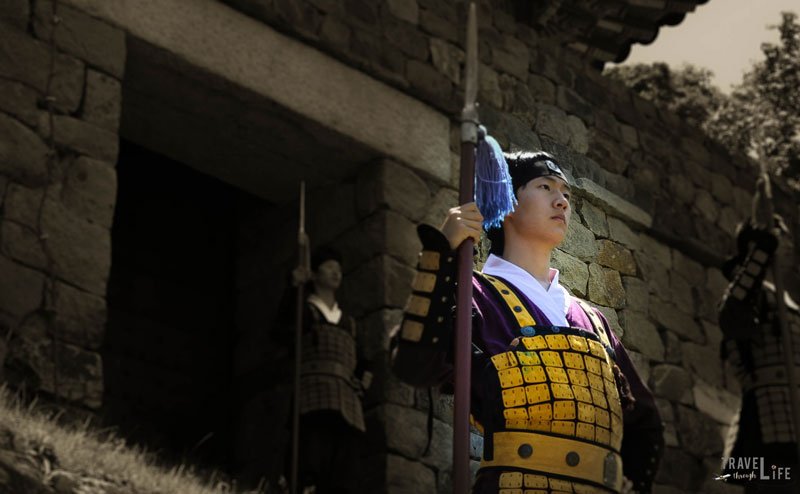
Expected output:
(169, 346)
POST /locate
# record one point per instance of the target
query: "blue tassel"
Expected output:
(494, 193)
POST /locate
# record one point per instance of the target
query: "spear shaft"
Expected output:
(302, 262)
(463, 336)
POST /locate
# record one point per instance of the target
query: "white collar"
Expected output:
(553, 301)
(331, 314)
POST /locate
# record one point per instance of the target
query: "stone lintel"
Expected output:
(250, 54)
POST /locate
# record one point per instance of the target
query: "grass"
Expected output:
(83, 450)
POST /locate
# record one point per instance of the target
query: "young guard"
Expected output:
(556, 396)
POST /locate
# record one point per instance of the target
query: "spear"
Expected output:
(780, 301)
(303, 265)
(463, 336)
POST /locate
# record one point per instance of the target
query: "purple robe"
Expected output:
(493, 330)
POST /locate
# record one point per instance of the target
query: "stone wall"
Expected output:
(656, 207)
(57, 201)
(390, 199)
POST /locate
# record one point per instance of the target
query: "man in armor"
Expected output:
(552, 387)
(753, 346)
(333, 378)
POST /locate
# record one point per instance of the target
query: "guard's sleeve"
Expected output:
(364, 365)
(738, 309)
(643, 430)
(423, 352)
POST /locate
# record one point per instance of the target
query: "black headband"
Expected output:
(525, 166)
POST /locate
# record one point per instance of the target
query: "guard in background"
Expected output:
(333, 379)
(753, 345)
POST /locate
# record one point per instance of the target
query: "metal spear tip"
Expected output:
(471, 77)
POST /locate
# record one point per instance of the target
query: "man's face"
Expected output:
(543, 212)
(328, 275)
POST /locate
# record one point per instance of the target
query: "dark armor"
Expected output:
(753, 346)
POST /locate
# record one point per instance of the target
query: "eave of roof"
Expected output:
(603, 30)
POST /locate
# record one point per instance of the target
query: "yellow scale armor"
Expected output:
(561, 388)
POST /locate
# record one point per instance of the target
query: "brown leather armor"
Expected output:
(327, 372)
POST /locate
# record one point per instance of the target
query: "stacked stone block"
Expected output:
(381, 254)
(57, 202)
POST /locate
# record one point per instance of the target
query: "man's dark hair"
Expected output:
(323, 254)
